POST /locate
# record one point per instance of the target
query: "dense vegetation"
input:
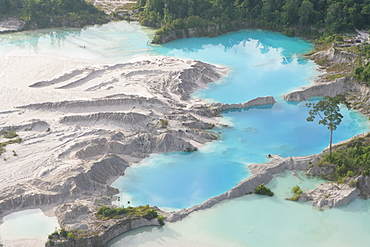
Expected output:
(362, 72)
(263, 190)
(302, 17)
(350, 160)
(49, 13)
(105, 212)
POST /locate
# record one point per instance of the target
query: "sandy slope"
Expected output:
(82, 125)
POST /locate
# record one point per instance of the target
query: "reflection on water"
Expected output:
(110, 43)
(261, 63)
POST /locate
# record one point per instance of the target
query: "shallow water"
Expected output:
(110, 43)
(30, 223)
(260, 221)
(261, 63)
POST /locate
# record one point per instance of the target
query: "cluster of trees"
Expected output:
(351, 161)
(362, 72)
(333, 16)
(45, 13)
(106, 212)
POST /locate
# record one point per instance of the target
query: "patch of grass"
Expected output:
(3, 144)
(9, 134)
(336, 76)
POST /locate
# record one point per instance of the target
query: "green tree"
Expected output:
(290, 12)
(328, 111)
(306, 12)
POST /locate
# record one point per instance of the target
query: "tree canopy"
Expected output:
(307, 15)
(328, 112)
(45, 13)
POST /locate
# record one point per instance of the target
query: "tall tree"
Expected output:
(328, 112)
(306, 12)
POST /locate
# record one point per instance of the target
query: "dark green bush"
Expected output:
(263, 190)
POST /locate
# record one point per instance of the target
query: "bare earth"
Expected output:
(82, 125)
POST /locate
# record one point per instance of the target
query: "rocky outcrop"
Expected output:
(113, 227)
(326, 171)
(331, 195)
(339, 86)
(216, 108)
(11, 24)
(363, 184)
(359, 99)
(334, 56)
(267, 100)
(210, 30)
(198, 76)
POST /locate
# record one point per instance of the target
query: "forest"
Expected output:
(307, 17)
(51, 13)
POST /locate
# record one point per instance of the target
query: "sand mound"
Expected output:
(82, 125)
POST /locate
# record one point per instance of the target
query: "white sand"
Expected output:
(72, 115)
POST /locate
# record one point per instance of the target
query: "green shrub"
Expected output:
(352, 159)
(150, 214)
(366, 172)
(297, 193)
(10, 134)
(63, 232)
(297, 190)
(140, 211)
(263, 190)
(161, 220)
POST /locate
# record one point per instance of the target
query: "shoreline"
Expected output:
(206, 113)
(84, 161)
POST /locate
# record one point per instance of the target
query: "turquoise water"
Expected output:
(181, 180)
(110, 43)
(261, 63)
(27, 224)
(253, 221)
